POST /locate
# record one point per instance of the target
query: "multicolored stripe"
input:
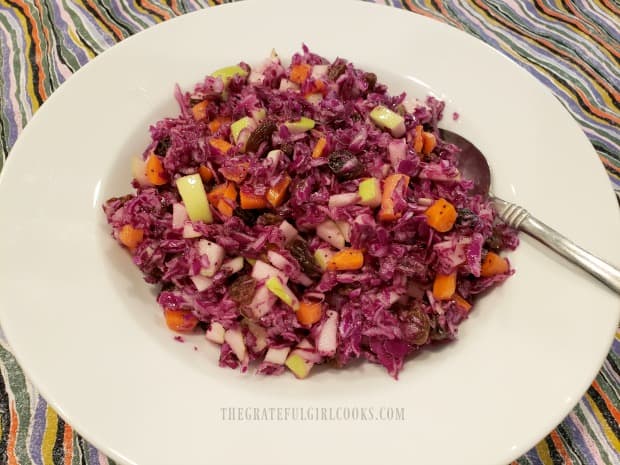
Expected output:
(572, 47)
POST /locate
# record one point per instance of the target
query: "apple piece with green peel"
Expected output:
(193, 193)
(259, 114)
(282, 291)
(240, 125)
(330, 233)
(322, 257)
(298, 366)
(227, 73)
(369, 191)
(387, 119)
(302, 125)
(241, 131)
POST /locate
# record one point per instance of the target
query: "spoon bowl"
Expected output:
(473, 165)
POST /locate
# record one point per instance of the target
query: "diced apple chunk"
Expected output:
(370, 192)
(385, 118)
(282, 291)
(302, 125)
(263, 271)
(189, 232)
(277, 356)
(330, 233)
(215, 333)
(322, 257)
(289, 232)
(234, 265)
(298, 366)
(227, 73)
(234, 339)
(202, 283)
(260, 335)
(215, 255)
(342, 200)
(327, 340)
(138, 169)
(262, 302)
(193, 193)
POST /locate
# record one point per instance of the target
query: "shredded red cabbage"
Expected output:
(384, 310)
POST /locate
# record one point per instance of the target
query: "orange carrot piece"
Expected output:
(130, 237)
(220, 145)
(309, 313)
(200, 110)
(461, 302)
(275, 195)
(299, 73)
(205, 173)
(182, 321)
(444, 286)
(346, 260)
(155, 170)
(217, 123)
(386, 213)
(418, 139)
(251, 201)
(493, 264)
(441, 215)
(319, 148)
(225, 208)
(429, 142)
(220, 195)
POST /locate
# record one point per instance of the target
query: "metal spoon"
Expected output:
(473, 165)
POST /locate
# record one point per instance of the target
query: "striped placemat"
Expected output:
(572, 47)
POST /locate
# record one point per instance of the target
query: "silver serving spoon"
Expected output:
(473, 165)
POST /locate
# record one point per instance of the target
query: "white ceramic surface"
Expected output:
(89, 334)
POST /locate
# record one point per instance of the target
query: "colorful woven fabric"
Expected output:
(572, 47)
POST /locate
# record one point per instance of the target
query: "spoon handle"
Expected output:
(519, 218)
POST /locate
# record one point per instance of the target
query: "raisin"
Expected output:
(300, 252)
(466, 217)
(261, 134)
(345, 165)
(249, 217)
(162, 146)
(336, 69)
(287, 148)
(269, 219)
(242, 290)
(495, 241)
(416, 325)
(371, 80)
